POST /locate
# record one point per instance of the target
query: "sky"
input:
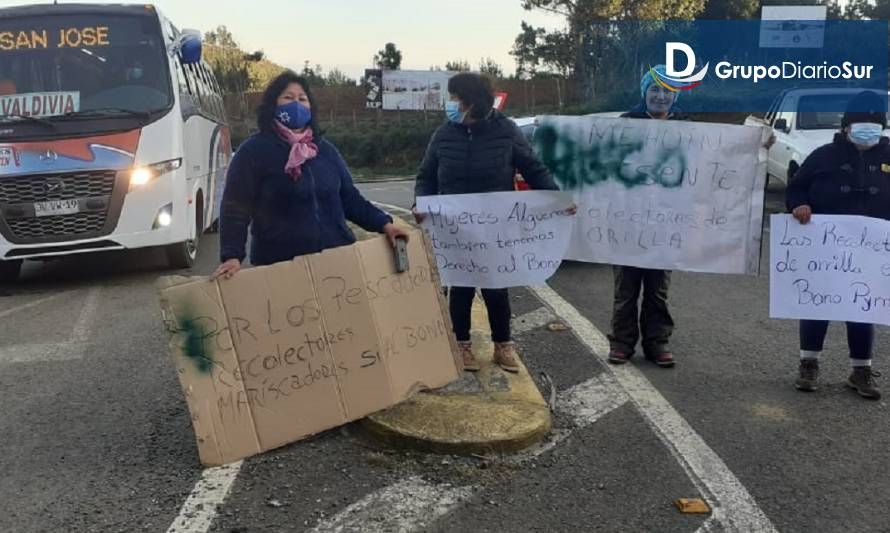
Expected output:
(347, 33)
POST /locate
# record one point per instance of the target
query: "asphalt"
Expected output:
(96, 435)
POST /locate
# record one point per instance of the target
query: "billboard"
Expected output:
(406, 90)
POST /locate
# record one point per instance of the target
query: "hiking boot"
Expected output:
(663, 359)
(863, 382)
(505, 356)
(809, 373)
(466, 353)
(619, 357)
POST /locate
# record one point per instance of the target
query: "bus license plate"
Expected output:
(56, 207)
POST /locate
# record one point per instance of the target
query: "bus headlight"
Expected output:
(139, 176)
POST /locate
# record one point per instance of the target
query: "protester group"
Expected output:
(292, 191)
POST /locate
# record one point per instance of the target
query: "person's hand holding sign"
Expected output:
(803, 214)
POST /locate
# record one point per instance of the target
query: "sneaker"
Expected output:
(863, 382)
(663, 359)
(505, 356)
(809, 373)
(466, 353)
(619, 357)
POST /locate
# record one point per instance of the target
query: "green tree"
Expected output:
(390, 58)
(490, 67)
(221, 36)
(730, 9)
(461, 65)
(337, 78)
(589, 39)
(525, 50)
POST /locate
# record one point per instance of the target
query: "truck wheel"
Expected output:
(9, 270)
(182, 254)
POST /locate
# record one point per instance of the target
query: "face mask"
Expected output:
(865, 133)
(452, 111)
(293, 115)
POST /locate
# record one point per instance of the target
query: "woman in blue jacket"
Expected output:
(291, 187)
(848, 176)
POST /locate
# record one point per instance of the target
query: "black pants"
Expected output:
(497, 301)
(860, 337)
(654, 319)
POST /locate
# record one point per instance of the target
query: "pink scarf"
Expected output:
(302, 149)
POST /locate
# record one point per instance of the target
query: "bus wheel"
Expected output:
(9, 270)
(182, 254)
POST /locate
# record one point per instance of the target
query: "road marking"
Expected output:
(534, 320)
(409, 505)
(87, 314)
(395, 208)
(199, 510)
(7, 312)
(585, 403)
(718, 485)
(70, 349)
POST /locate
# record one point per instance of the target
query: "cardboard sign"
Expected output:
(282, 352)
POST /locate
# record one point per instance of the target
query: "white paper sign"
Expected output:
(497, 240)
(834, 268)
(673, 195)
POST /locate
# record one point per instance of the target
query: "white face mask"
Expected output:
(865, 133)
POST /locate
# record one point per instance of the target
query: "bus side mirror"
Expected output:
(190, 47)
(781, 125)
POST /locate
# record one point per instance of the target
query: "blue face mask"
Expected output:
(865, 133)
(452, 111)
(293, 115)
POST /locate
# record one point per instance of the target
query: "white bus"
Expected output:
(113, 134)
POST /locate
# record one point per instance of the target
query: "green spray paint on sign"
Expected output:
(194, 335)
(576, 165)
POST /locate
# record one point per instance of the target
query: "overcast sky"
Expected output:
(346, 33)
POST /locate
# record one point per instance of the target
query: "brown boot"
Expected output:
(466, 352)
(505, 356)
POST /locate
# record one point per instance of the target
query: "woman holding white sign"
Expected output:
(849, 176)
(654, 319)
(478, 151)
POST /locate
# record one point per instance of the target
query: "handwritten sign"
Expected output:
(496, 240)
(834, 268)
(660, 194)
(288, 350)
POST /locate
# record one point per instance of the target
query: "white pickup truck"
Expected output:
(801, 125)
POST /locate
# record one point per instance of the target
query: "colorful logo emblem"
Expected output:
(683, 80)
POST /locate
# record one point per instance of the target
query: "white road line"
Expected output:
(67, 350)
(409, 505)
(738, 512)
(395, 208)
(534, 320)
(87, 314)
(199, 510)
(7, 312)
(585, 403)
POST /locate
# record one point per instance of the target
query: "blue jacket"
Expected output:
(288, 218)
(838, 179)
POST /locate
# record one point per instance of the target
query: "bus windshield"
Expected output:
(60, 67)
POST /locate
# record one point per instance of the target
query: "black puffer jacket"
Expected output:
(838, 179)
(479, 157)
